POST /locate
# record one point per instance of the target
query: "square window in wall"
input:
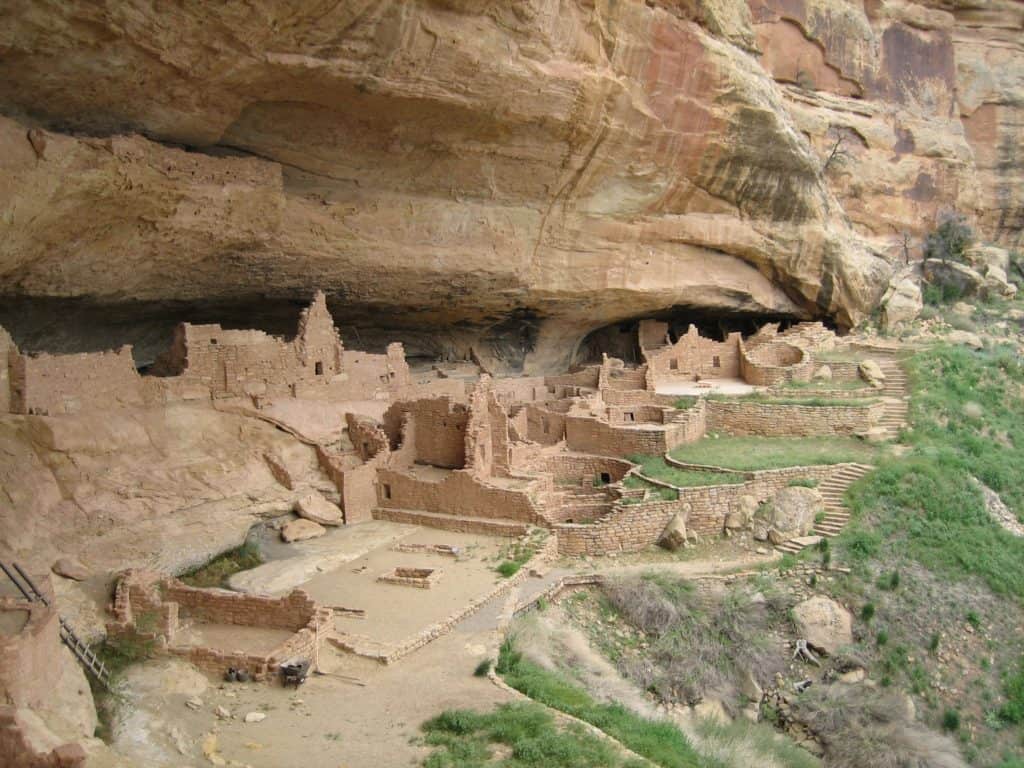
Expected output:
(606, 478)
(673, 365)
(629, 416)
(546, 425)
(387, 490)
(213, 341)
(716, 362)
(319, 368)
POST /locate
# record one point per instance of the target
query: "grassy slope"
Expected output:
(924, 513)
(656, 468)
(752, 453)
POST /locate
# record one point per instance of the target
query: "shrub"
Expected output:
(1013, 688)
(483, 668)
(803, 482)
(949, 240)
(882, 637)
(951, 720)
(933, 643)
(867, 613)
(215, 572)
(973, 619)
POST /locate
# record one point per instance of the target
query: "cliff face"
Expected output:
(513, 172)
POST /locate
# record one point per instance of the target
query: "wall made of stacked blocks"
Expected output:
(771, 420)
(544, 425)
(359, 492)
(589, 435)
(586, 377)
(528, 389)
(220, 606)
(632, 527)
(66, 384)
(635, 414)
(458, 493)
(694, 355)
(637, 397)
(565, 466)
(437, 427)
(774, 363)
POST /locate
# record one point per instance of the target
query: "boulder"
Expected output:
(823, 623)
(872, 373)
(70, 568)
(903, 302)
(997, 284)
(966, 338)
(963, 308)
(301, 529)
(674, 536)
(982, 257)
(823, 374)
(966, 281)
(788, 515)
(313, 506)
(740, 515)
(749, 686)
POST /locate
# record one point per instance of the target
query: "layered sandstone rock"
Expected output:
(516, 174)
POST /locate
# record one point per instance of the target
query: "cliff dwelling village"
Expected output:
(512, 384)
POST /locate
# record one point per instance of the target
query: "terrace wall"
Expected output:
(740, 417)
(773, 363)
(632, 527)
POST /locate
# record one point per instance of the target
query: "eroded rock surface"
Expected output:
(530, 171)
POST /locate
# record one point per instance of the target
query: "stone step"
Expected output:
(461, 524)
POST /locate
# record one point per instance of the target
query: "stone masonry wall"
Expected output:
(438, 427)
(632, 527)
(458, 493)
(773, 363)
(65, 384)
(693, 355)
(740, 417)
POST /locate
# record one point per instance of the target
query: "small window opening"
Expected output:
(387, 491)
(673, 365)
(628, 416)
(716, 362)
(213, 341)
(319, 367)
(606, 477)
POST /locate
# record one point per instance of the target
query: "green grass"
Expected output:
(685, 402)
(759, 738)
(843, 386)
(656, 491)
(659, 741)
(516, 555)
(754, 453)
(529, 737)
(216, 571)
(1012, 711)
(656, 468)
(807, 401)
(925, 505)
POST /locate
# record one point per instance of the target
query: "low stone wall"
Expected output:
(457, 493)
(151, 608)
(773, 363)
(570, 466)
(544, 425)
(637, 397)
(739, 417)
(632, 527)
(51, 385)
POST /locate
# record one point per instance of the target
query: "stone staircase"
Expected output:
(836, 514)
(577, 504)
(895, 394)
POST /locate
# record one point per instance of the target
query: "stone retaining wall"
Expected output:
(632, 527)
(739, 417)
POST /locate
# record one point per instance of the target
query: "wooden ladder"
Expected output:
(81, 650)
